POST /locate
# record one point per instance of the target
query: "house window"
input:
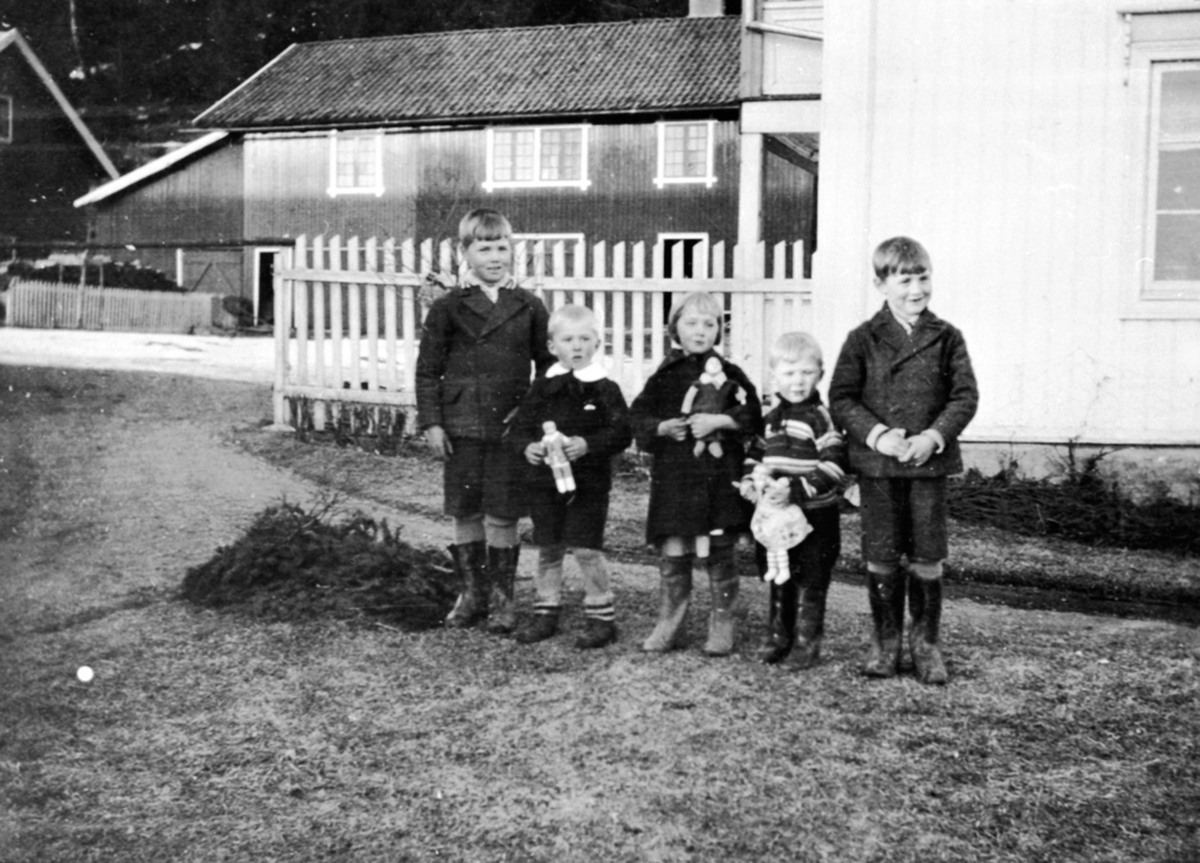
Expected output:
(537, 156)
(356, 164)
(6, 124)
(685, 153)
(1164, 87)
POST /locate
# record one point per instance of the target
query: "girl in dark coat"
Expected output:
(695, 508)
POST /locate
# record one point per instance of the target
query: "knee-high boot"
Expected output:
(811, 627)
(502, 573)
(885, 590)
(472, 604)
(781, 623)
(723, 581)
(675, 593)
(925, 604)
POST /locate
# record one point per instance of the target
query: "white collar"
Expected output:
(589, 373)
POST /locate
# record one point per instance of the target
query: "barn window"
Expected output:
(6, 124)
(1163, 77)
(356, 164)
(534, 156)
(685, 153)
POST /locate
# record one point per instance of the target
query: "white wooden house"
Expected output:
(1048, 156)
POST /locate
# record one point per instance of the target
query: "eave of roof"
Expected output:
(648, 66)
(151, 169)
(14, 37)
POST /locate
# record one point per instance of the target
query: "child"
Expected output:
(695, 508)
(802, 444)
(903, 390)
(589, 410)
(479, 345)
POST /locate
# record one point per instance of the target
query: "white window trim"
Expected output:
(491, 184)
(334, 190)
(709, 179)
(6, 130)
(705, 251)
(1145, 300)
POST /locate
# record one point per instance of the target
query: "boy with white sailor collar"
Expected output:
(588, 409)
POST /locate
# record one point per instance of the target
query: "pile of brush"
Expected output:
(294, 563)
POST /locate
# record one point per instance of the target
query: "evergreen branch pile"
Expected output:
(293, 563)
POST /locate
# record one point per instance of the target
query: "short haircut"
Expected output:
(483, 224)
(900, 255)
(572, 314)
(793, 347)
(703, 302)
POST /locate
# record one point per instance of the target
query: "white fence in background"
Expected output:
(348, 314)
(50, 305)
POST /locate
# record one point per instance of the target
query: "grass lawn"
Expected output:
(227, 736)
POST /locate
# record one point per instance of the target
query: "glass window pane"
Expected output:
(1179, 106)
(1179, 179)
(1177, 248)
(686, 150)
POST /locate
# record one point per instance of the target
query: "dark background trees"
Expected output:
(139, 70)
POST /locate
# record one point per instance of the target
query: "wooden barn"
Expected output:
(48, 157)
(614, 132)
(1048, 156)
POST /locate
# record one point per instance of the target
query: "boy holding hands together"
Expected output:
(903, 389)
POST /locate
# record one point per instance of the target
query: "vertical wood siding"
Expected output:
(1003, 138)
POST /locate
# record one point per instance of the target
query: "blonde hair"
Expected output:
(483, 224)
(703, 302)
(793, 347)
(572, 314)
(900, 255)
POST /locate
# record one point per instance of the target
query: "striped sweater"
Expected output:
(801, 442)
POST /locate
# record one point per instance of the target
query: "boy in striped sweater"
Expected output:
(801, 444)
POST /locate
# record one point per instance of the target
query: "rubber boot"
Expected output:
(502, 573)
(596, 633)
(472, 603)
(781, 623)
(675, 594)
(886, 594)
(811, 628)
(541, 625)
(724, 584)
(925, 604)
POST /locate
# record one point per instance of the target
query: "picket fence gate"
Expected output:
(348, 315)
(54, 305)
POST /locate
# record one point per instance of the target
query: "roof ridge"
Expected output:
(495, 30)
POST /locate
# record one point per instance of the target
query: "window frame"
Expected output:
(377, 188)
(1147, 59)
(709, 179)
(491, 184)
(6, 128)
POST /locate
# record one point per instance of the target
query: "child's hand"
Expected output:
(676, 429)
(919, 450)
(438, 441)
(702, 425)
(778, 492)
(747, 489)
(535, 453)
(892, 443)
(574, 448)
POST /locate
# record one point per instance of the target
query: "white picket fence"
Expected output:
(54, 305)
(348, 314)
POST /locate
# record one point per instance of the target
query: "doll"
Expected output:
(564, 478)
(777, 524)
(712, 393)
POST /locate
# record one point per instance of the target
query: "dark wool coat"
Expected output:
(693, 495)
(914, 381)
(476, 359)
(592, 410)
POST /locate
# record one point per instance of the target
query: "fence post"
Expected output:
(281, 333)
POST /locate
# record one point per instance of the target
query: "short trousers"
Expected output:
(576, 522)
(903, 517)
(483, 477)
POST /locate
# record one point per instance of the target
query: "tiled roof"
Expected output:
(649, 65)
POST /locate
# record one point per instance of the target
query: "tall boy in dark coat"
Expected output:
(479, 346)
(903, 389)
